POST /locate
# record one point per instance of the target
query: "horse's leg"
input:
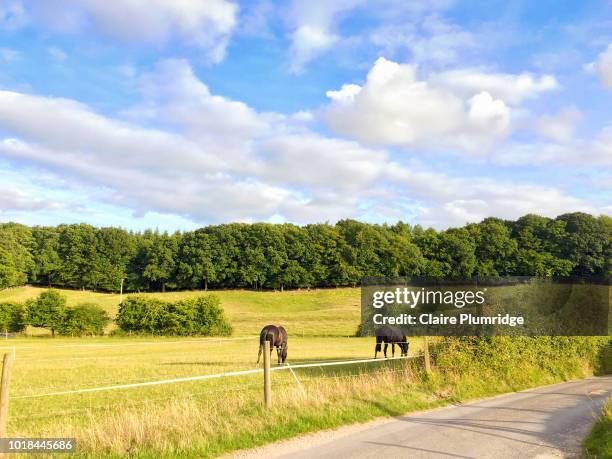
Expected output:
(393, 349)
(259, 354)
(278, 354)
(386, 344)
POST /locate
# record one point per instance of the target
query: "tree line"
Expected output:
(278, 256)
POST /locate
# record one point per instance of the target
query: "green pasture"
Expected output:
(317, 312)
(207, 418)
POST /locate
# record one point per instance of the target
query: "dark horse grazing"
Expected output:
(277, 336)
(394, 335)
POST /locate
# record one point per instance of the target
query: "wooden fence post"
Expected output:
(267, 375)
(7, 366)
(426, 353)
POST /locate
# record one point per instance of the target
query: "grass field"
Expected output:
(328, 312)
(319, 323)
(211, 417)
(599, 443)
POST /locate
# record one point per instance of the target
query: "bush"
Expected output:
(12, 318)
(555, 355)
(84, 319)
(140, 314)
(197, 316)
(47, 310)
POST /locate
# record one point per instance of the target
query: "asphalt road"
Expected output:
(544, 422)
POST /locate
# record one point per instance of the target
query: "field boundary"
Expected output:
(211, 376)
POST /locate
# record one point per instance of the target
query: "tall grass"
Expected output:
(598, 445)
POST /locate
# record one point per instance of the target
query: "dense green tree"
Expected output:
(78, 254)
(160, 260)
(296, 270)
(428, 242)
(47, 311)
(457, 253)
(196, 265)
(262, 255)
(586, 244)
(496, 251)
(115, 249)
(48, 267)
(84, 319)
(16, 260)
(538, 240)
(12, 317)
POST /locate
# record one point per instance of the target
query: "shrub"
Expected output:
(84, 319)
(556, 355)
(12, 317)
(140, 314)
(197, 316)
(47, 310)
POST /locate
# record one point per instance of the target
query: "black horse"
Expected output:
(277, 336)
(394, 335)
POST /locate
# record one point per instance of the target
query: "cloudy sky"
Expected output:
(173, 114)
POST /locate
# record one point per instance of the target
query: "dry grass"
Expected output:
(197, 427)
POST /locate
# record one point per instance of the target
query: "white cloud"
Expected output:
(452, 201)
(559, 127)
(604, 67)
(209, 158)
(312, 29)
(394, 107)
(204, 24)
(574, 151)
(512, 89)
(307, 43)
(197, 156)
(11, 200)
(428, 40)
(175, 96)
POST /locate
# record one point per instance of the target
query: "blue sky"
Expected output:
(176, 114)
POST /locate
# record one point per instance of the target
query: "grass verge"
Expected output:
(598, 444)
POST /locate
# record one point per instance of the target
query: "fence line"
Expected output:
(211, 376)
(131, 403)
(157, 342)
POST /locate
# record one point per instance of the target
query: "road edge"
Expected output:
(320, 437)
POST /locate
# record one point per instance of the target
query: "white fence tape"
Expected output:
(204, 377)
(156, 343)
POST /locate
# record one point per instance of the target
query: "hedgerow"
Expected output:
(196, 316)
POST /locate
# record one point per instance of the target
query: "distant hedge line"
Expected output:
(49, 310)
(196, 316)
(137, 314)
(277, 256)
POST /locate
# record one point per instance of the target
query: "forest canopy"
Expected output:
(277, 256)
